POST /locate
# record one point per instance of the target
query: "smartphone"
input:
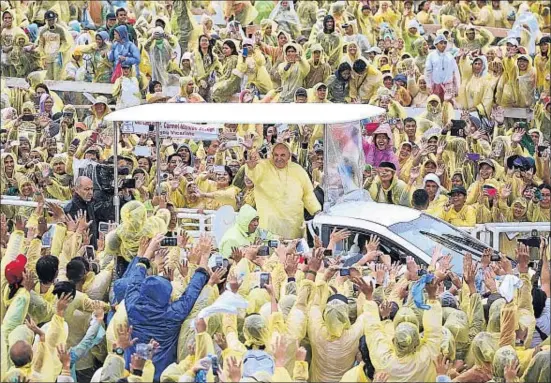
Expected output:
(531, 241)
(264, 279)
(214, 364)
(458, 128)
(226, 264)
(473, 156)
(94, 136)
(143, 350)
(129, 183)
(28, 117)
(245, 51)
(328, 253)
(492, 192)
(273, 243)
(495, 257)
(344, 272)
(103, 227)
(75, 142)
(90, 253)
(537, 194)
(48, 236)
(219, 259)
(219, 169)
(541, 149)
(302, 246)
(263, 251)
(169, 242)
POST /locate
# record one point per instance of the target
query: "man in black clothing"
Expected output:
(82, 200)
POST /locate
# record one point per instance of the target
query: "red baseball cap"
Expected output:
(14, 269)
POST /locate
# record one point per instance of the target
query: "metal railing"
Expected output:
(489, 233)
(198, 222)
(201, 222)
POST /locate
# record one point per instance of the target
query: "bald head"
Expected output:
(21, 353)
(84, 187)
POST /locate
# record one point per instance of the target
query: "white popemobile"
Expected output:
(402, 231)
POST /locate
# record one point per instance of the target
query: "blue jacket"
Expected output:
(152, 316)
(124, 48)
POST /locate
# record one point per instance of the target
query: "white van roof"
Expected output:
(255, 113)
(379, 213)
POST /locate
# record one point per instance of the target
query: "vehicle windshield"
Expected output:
(427, 232)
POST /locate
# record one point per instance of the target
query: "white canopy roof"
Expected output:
(257, 113)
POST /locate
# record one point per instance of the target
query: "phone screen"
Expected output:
(264, 279)
(263, 251)
(90, 253)
(344, 272)
(169, 242)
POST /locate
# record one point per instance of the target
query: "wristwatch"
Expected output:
(118, 350)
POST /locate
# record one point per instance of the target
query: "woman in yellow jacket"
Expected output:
(386, 14)
(253, 65)
(542, 63)
(206, 64)
(221, 191)
(476, 86)
(522, 77)
(292, 71)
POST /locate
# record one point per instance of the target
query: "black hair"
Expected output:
(325, 19)
(544, 186)
(265, 133)
(76, 270)
(359, 66)
(43, 86)
(290, 47)
(342, 67)
(420, 198)
(152, 85)
(64, 287)
(174, 155)
(161, 21)
(13, 289)
(209, 49)
(230, 173)
(148, 160)
(410, 119)
(538, 301)
(232, 46)
(369, 370)
(46, 269)
(119, 11)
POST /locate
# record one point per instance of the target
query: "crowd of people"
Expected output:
(465, 137)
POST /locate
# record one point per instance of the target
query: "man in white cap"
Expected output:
(441, 71)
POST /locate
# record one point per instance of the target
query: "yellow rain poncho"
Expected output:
(476, 89)
(480, 41)
(242, 10)
(522, 83)
(133, 220)
(238, 235)
(294, 76)
(332, 45)
(364, 86)
(406, 358)
(502, 358)
(320, 70)
(281, 196)
(539, 368)
(331, 334)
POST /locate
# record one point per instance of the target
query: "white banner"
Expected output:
(174, 131)
(182, 130)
